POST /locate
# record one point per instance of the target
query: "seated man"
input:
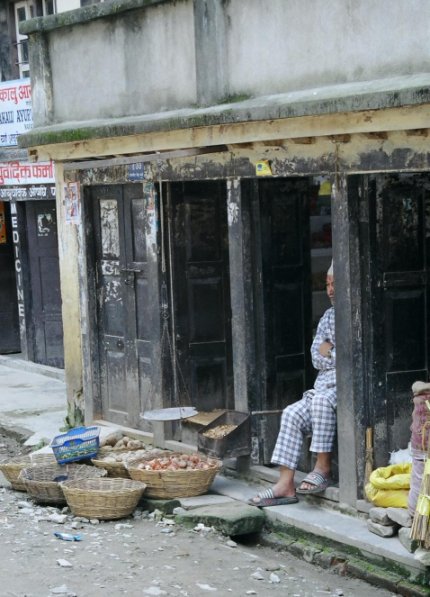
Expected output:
(316, 413)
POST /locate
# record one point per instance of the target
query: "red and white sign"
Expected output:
(16, 115)
(26, 173)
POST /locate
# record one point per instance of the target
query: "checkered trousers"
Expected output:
(315, 413)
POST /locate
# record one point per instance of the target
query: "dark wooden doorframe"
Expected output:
(45, 308)
(277, 212)
(199, 286)
(124, 273)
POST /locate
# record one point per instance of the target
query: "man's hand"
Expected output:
(325, 348)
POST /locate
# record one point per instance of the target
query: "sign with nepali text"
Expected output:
(26, 173)
(16, 115)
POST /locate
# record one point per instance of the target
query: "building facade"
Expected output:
(30, 295)
(207, 173)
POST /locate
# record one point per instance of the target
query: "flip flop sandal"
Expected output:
(266, 498)
(319, 482)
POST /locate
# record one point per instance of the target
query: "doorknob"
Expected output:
(120, 344)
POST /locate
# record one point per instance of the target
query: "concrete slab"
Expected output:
(231, 519)
(209, 499)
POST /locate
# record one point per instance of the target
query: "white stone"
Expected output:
(204, 587)
(231, 543)
(154, 591)
(123, 525)
(57, 518)
(274, 578)
(257, 576)
(61, 590)
(64, 563)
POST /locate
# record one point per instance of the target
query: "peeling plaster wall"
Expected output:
(142, 57)
(279, 46)
(140, 62)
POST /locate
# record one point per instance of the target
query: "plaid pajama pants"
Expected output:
(315, 413)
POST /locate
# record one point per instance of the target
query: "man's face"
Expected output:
(329, 285)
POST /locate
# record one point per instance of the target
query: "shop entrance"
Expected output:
(395, 224)
(46, 318)
(201, 294)
(292, 231)
(163, 305)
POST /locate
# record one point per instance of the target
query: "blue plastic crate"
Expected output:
(77, 444)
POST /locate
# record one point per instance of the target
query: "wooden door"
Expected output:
(397, 258)
(201, 291)
(284, 307)
(127, 307)
(46, 318)
(9, 324)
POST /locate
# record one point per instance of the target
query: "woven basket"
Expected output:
(174, 484)
(43, 483)
(114, 469)
(106, 498)
(12, 468)
(119, 469)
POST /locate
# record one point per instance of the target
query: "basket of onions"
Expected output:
(174, 475)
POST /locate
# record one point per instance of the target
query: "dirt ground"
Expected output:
(143, 555)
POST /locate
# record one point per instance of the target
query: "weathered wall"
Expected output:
(139, 57)
(280, 45)
(140, 63)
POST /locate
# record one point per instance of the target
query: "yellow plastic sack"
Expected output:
(389, 486)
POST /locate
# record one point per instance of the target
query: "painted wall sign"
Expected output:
(18, 264)
(15, 111)
(25, 173)
(29, 192)
(136, 171)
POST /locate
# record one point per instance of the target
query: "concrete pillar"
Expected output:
(41, 79)
(241, 296)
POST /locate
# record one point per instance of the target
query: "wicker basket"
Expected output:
(119, 469)
(12, 468)
(174, 484)
(106, 498)
(114, 469)
(43, 483)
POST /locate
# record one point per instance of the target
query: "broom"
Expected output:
(420, 530)
(369, 457)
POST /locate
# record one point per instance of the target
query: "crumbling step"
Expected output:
(231, 519)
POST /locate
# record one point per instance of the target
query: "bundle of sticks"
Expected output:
(420, 530)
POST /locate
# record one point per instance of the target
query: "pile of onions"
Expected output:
(177, 462)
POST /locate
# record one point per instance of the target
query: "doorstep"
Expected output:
(311, 519)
